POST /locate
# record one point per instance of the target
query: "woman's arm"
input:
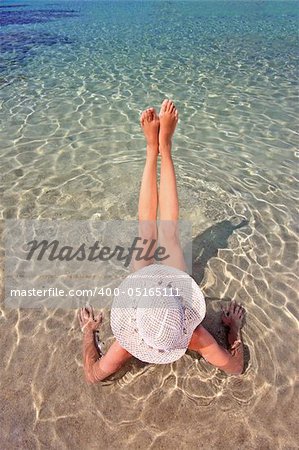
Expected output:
(230, 362)
(96, 366)
(202, 341)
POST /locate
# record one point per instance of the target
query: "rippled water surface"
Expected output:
(74, 78)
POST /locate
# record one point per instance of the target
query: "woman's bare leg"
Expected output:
(168, 196)
(148, 197)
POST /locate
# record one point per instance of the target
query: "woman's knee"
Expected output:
(169, 230)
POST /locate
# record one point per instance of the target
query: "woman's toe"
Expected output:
(143, 117)
(164, 106)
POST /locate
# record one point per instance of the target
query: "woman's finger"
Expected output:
(81, 314)
(81, 320)
(226, 310)
(89, 309)
(91, 312)
(99, 318)
(85, 314)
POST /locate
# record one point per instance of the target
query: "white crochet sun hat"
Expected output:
(156, 312)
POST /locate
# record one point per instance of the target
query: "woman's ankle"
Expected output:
(165, 151)
(152, 152)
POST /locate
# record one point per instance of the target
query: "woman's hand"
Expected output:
(88, 321)
(233, 315)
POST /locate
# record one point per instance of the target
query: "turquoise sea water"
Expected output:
(74, 79)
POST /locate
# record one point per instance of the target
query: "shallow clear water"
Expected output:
(74, 78)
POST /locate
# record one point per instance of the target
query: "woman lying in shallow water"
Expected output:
(160, 329)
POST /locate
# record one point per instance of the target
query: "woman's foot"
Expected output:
(150, 123)
(168, 120)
